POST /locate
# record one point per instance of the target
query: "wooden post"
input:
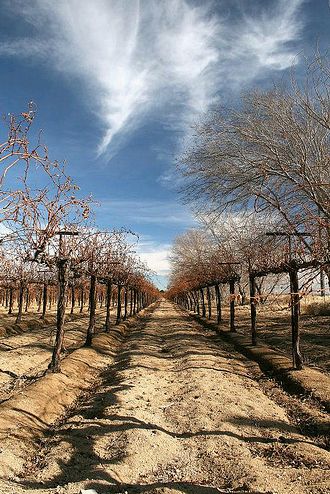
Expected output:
(253, 307)
(82, 299)
(218, 297)
(11, 292)
(73, 299)
(125, 303)
(38, 298)
(197, 302)
(62, 270)
(191, 301)
(203, 302)
(322, 284)
(44, 300)
(134, 301)
(92, 307)
(20, 302)
(209, 302)
(295, 309)
(118, 303)
(50, 299)
(62, 266)
(193, 295)
(232, 305)
(27, 299)
(108, 305)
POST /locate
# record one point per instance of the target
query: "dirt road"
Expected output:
(180, 412)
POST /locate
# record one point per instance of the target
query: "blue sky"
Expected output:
(119, 83)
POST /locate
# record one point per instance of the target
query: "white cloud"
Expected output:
(156, 260)
(156, 256)
(137, 57)
(266, 38)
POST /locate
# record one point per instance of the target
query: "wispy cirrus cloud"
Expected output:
(264, 38)
(147, 212)
(170, 58)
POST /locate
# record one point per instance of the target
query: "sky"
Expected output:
(119, 85)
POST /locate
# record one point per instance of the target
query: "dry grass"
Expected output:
(318, 309)
(274, 327)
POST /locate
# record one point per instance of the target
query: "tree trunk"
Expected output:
(92, 307)
(242, 294)
(258, 286)
(203, 302)
(189, 301)
(253, 305)
(73, 299)
(218, 297)
(27, 299)
(118, 304)
(108, 306)
(295, 307)
(39, 300)
(82, 299)
(134, 302)
(138, 301)
(11, 293)
(232, 305)
(192, 302)
(209, 306)
(62, 266)
(125, 303)
(44, 301)
(20, 303)
(322, 284)
(197, 303)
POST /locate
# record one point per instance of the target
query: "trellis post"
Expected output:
(232, 305)
(295, 306)
(252, 282)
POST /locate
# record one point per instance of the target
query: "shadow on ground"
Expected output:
(94, 418)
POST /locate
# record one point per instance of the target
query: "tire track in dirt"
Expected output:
(180, 411)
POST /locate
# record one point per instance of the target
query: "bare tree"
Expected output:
(40, 207)
(272, 154)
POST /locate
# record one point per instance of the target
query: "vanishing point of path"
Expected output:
(180, 412)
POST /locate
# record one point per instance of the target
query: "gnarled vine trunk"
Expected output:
(92, 307)
(108, 306)
(62, 266)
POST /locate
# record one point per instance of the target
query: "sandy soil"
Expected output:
(179, 412)
(24, 356)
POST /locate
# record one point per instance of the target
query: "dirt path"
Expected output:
(25, 357)
(179, 413)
